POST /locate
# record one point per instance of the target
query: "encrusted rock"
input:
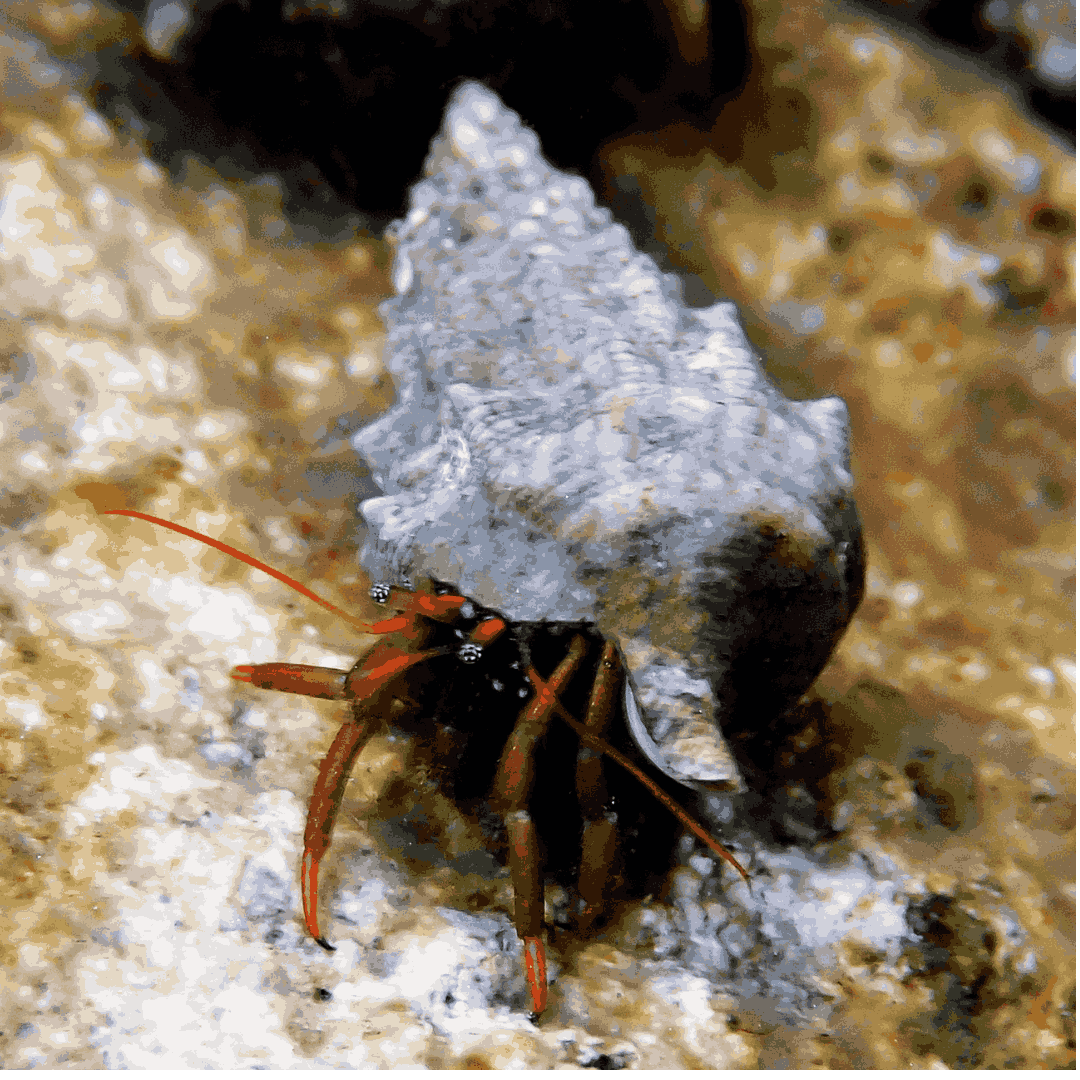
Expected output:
(573, 441)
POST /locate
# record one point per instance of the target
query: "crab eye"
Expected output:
(467, 610)
(470, 652)
(380, 592)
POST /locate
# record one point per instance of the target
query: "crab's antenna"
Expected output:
(387, 626)
(594, 742)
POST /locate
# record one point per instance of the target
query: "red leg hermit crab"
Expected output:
(619, 495)
(433, 635)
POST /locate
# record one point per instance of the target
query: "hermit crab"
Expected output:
(653, 551)
(580, 449)
(551, 790)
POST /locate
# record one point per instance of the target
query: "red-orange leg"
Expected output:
(319, 682)
(323, 811)
(536, 971)
(515, 777)
(600, 835)
(513, 787)
(599, 840)
(528, 902)
(384, 664)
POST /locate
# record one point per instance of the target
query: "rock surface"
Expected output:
(573, 442)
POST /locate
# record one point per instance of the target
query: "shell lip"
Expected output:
(686, 771)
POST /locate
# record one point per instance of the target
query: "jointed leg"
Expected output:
(367, 681)
(513, 787)
(599, 838)
(364, 686)
(323, 810)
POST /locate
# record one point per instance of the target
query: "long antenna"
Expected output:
(387, 626)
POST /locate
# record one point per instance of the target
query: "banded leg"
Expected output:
(599, 838)
(513, 787)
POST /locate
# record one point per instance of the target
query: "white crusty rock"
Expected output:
(574, 442)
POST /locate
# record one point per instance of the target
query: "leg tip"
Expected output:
(536, 974)
(325, 944)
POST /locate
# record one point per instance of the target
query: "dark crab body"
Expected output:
(462, 716)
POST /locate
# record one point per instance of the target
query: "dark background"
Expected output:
(318, 97)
